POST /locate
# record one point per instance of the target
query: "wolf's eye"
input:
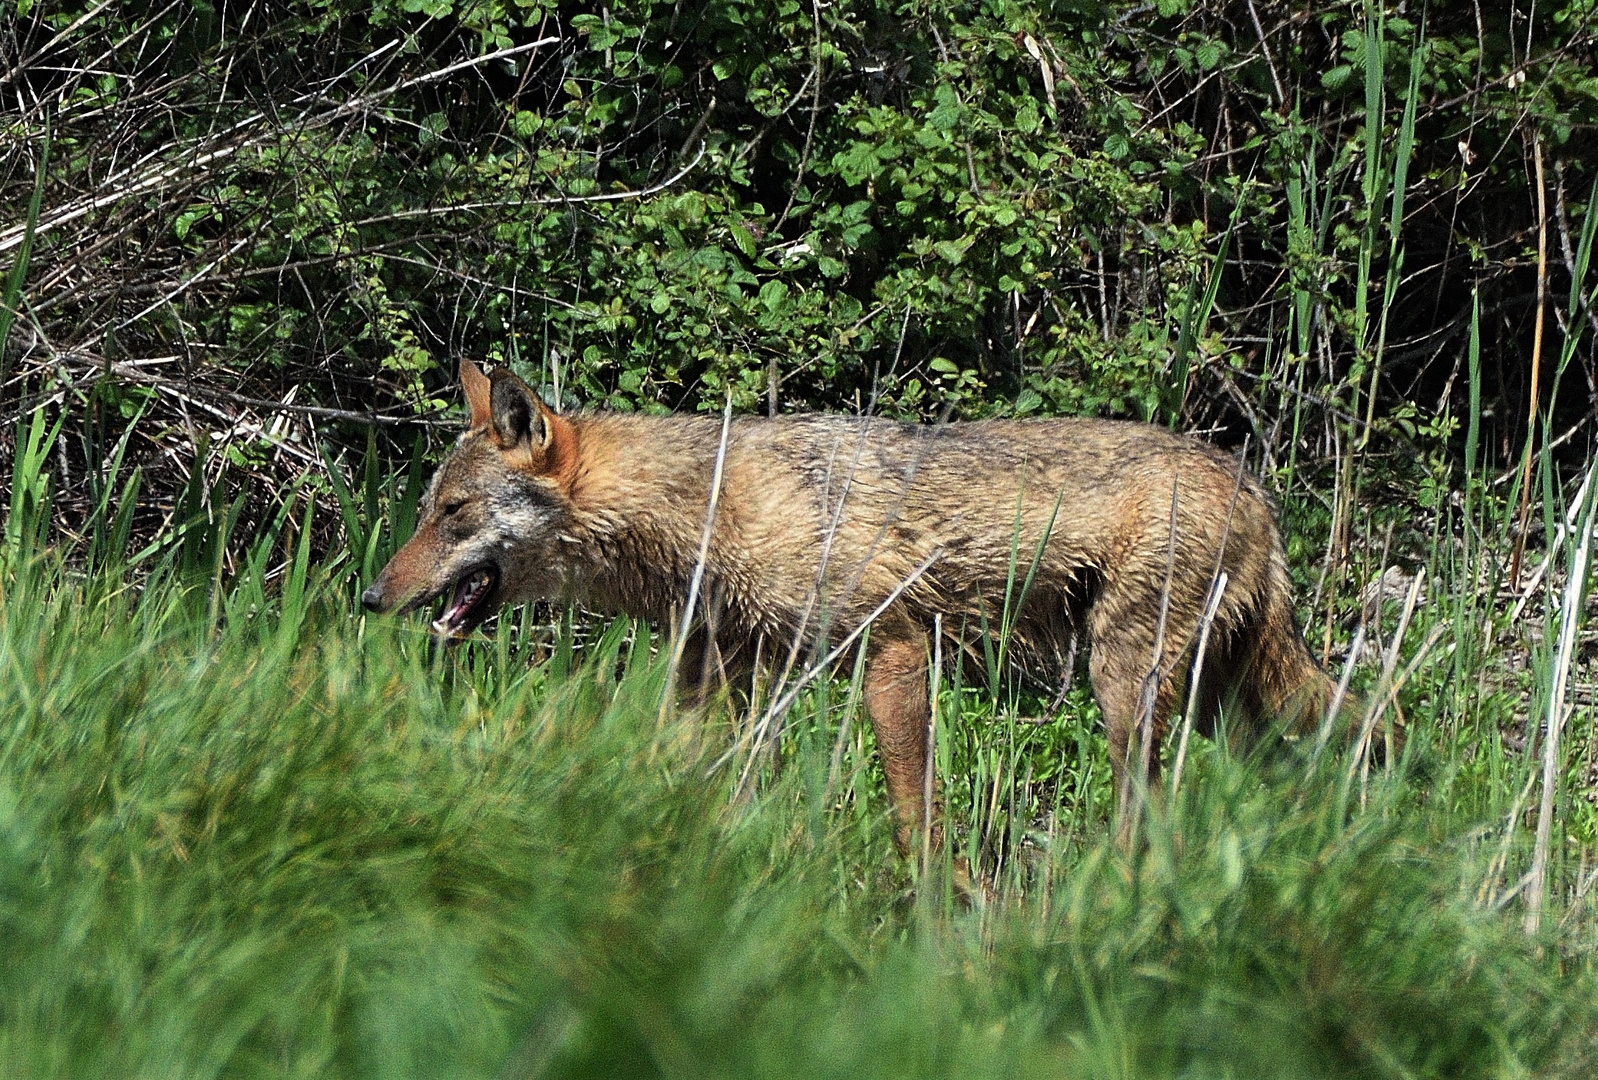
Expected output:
(453, 507)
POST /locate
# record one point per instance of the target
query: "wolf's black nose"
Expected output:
(372, 600)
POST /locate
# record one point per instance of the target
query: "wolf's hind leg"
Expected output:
(897, 702)
(1120, 666)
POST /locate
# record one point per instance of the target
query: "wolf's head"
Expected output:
(488, 529)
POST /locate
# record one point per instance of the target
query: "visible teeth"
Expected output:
(466, 597)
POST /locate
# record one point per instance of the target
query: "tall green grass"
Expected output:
(288, 841)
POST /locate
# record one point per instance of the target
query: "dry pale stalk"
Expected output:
(1569, 628)
(1378, 699)
(1213, 605)
(932, 747)
(686, 626)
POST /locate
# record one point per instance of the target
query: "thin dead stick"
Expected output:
(1335, 706)
(1333, 558)
(1487, 895)
(134, 372)
(1390, 698)
(1584, 885)
(835, 768)
(1067, 680)
(1515, 890)
(618, 196)
(13, 236)
(60, 36)
(699, 564)
(780, 705)
(186, 284)
(928, 780)
(792, 693)
(1432, 638)
(1569, 628)
(1563, 219)
(1212, 604)
(755, 690)
(814, 596)
(541, 200)
(758, 136)
(810, 130)
(1389, 664)
(1265, 49)
(1149, 698)
(1561, 529)
(1211, 607)
(1536, 360)
(1569, 433)
(1231, 510)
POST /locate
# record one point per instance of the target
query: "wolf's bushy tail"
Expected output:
(1286, 680)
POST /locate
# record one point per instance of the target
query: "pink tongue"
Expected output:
(456, 610)
(462, 603)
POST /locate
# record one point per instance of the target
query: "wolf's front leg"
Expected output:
(896, 699)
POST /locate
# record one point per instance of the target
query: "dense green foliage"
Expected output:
(1137, 209)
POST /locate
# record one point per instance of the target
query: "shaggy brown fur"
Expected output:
(821, 518)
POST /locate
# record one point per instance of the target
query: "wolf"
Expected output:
(1137, 540)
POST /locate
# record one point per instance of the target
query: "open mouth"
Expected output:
(468, 602)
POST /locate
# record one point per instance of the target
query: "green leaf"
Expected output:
(773, 294)
(525, 124)
(187, 220)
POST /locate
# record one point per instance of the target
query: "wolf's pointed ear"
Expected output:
(526, 429)
(476, 386)
(518, 415)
